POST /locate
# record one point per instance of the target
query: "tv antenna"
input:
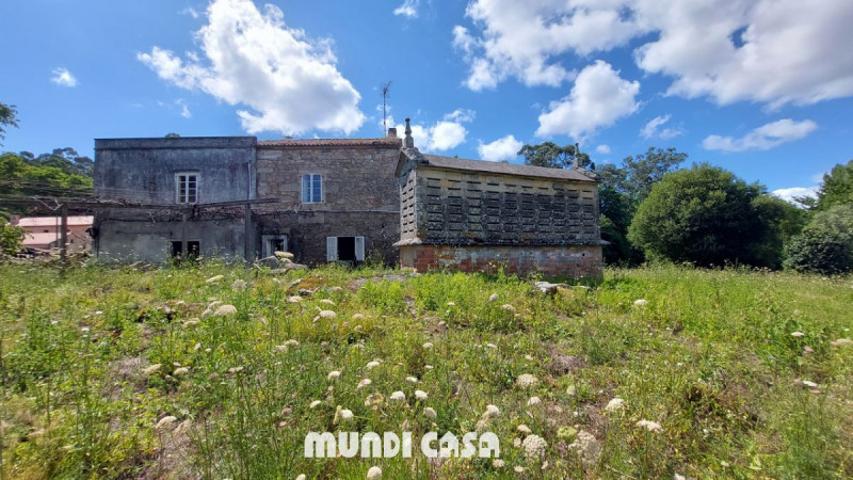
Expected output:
(386, 89)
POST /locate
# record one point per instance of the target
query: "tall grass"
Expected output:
(710, 356)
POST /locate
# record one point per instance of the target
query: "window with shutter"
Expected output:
(312, 188)
(331, 249)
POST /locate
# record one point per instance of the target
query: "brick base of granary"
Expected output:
(580, 261)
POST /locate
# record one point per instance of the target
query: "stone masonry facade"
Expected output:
(360, 196)
(480, 216)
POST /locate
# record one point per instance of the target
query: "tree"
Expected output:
(11, 238)
(825, 245)
(8, 118)
(703, 215)
(639, 173)
(837, 187)
(551, 155)
(620, 191)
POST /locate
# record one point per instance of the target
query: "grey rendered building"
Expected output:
(236, 197)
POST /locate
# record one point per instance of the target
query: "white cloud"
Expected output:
(63, 77)
(501, 150)
(185, 110)
(289, 82)
(191, 12)
(442, 135)
(652, 129)
(792, 194)
(598, 98)
(409, 8)
(603, 149)
(768, 51)
(523, 39)
(765, 137)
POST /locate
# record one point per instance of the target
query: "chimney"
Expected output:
(408, 141)
(392, 132)
(576, 164)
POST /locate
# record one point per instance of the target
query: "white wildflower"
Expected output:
(315, 404)
(327, 301)
(427, 345)
(429, 412)
(294, 299)
(412, 379)
(328, 314)
(451, 304)
(492, 411)
(333, 375)
(301, 476)
(345, 414)
(375, 473)
(650, 425)
(235, 369)
(239, 284)
(152, 369)
(225, 310)
(421, 395)
(398, 396)
(518, 469)
(165, 422)
(587, 446)
(507, 307)
(534, 447)
(214, 279)
(809, 383)
(640, 302)
(372, 364)
(492, 346)
(181, 371)
(191, 322)
(493, 297)
(358, 316)
(841, 342)
(526, 380)
(533, 401)
(614, 405)
(498, 463)
(798, 334)
(523, 429)
(363, 383)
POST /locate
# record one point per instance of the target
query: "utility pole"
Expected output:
(386, 90)
(63, 235)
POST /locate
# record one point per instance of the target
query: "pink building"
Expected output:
(43, 233)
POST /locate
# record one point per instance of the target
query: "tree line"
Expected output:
(652, 209)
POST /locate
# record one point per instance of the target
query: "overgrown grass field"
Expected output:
(143, 373)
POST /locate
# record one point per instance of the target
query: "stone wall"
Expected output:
(470, 208)
(130, 240)
(579, 261)
(361, 197)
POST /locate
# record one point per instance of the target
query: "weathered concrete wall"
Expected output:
(361, 197)
(580, 261)
(124, 241)
(143, 171)
(470, 208)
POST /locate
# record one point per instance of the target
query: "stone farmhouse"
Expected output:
(329, 200)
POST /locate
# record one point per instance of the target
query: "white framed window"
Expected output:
(312, 188)
(345, 249)
(186, 187)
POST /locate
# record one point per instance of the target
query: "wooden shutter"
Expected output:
(331, 249)
(359, 249)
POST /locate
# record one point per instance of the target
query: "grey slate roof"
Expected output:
(453, 163)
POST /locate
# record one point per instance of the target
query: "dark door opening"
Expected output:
(193, 249)
(346, 249)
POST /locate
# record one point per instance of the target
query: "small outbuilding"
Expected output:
(474, 215)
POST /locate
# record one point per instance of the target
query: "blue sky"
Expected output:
(760, 87)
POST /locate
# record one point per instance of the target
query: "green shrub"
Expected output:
(704, 215)
(826, 243)
(11, 239)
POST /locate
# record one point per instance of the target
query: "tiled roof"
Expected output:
(505, 168)
(54, 221)
(332, 142)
